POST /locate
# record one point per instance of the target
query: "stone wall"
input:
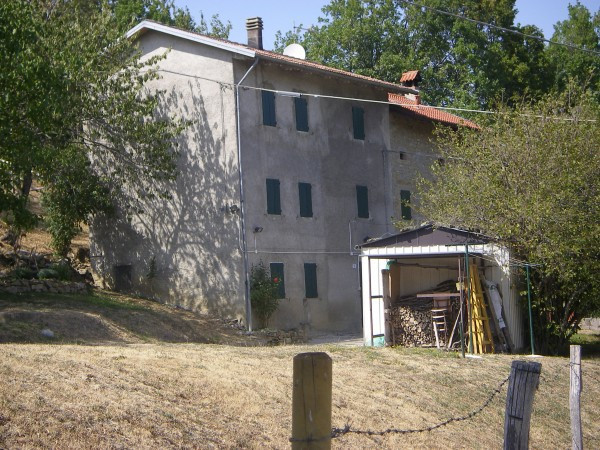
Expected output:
(53, 286)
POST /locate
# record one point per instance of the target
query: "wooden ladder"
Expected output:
(440, 326)
(480, 322)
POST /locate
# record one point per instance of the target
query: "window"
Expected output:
(362, 201)
(310, 280)
(273, 199)
(304, 191)
(358, 122)
(405, 210)
(301, 114)
(277, 273)
(268, 107)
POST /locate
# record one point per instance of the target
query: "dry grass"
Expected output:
(214, 396)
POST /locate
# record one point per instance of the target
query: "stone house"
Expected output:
(287, 162)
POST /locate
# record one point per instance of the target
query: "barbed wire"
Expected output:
(347, 429)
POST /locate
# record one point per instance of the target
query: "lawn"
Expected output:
(216, 396)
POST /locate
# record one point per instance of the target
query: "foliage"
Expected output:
(582, 30)
(23, 273)
(263, 293)
(47, 274)
(74, 92)
(129, 13)
(462, 63)
(530, 179)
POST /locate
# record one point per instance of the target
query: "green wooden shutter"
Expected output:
(358, 122)
(277, 272)
(362, 201)
(301, 114)
(310, 280)
(405, 209)
(268, 107)
(305, 194)
(273, 198)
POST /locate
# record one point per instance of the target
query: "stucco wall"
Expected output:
(328, 157)
(191, 238)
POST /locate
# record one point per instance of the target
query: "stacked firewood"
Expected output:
(411, 322)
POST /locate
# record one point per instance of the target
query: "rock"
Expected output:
(46, 332)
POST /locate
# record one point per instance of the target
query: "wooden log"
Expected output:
(311, 401)
(574, 398)
(387, 304)
(523, 382)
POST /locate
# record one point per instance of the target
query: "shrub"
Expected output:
(23, 273)
(63, 271)
(46, 274)
(263, 293)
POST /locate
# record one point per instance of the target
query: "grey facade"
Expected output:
(189, 250)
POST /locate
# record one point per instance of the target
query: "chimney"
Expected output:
(254, 27)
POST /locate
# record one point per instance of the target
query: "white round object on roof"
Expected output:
(295, 51)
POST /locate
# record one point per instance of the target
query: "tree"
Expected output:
(129, 13)
(581, 29)
(263, 293)
(462, 63)
(74, 93)
(530, 179)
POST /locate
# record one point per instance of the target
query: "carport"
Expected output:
(418, 260)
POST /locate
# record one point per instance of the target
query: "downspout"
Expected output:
(242, 201)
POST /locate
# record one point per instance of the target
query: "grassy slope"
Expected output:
(200, 395)
(105, 317)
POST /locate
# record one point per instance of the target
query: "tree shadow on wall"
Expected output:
(185, 250)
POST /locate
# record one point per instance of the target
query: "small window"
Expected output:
(304, 191)
(277, 275)
(301, 108)
(405, 209)
(362, 201)
(310, 280)
(358, 122)
(268, 107)
(273, 199)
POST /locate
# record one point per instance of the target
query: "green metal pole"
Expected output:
(530, 315)
(470, 312)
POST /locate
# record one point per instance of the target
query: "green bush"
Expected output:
(63, 270)
(263, 293)
(46, 274)
(23, 273)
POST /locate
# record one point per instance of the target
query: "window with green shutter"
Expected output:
(277, 275)
(358, 122)
(305, 194)
(310, 280)
(268, 108)
(301, 107)
(405, 210)
(362, 201)
(273, 199)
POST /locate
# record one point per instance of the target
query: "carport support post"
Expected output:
(529, 303)
(311, 401)
(468, 284)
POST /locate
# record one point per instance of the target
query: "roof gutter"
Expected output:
(242, 200)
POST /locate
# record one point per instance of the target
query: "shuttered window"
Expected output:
(405, 209)
(310, 280)
(273, 199)
(358, 122)
(268, 108)
(305, 194)
(277, 275)
(301, 108)
(362, 201)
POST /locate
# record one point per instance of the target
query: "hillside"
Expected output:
(217, 396)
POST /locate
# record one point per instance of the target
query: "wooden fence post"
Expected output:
(311, 401)
(574, 394)
(524, 381)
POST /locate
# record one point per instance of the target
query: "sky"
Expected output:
(283, 15)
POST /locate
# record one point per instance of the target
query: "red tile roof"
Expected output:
(410, 76)
(430, 112)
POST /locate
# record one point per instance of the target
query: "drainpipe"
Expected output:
(242, 201)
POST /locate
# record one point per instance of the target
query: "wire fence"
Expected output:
(338, 432)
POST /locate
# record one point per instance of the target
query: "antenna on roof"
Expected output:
(295, 51)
